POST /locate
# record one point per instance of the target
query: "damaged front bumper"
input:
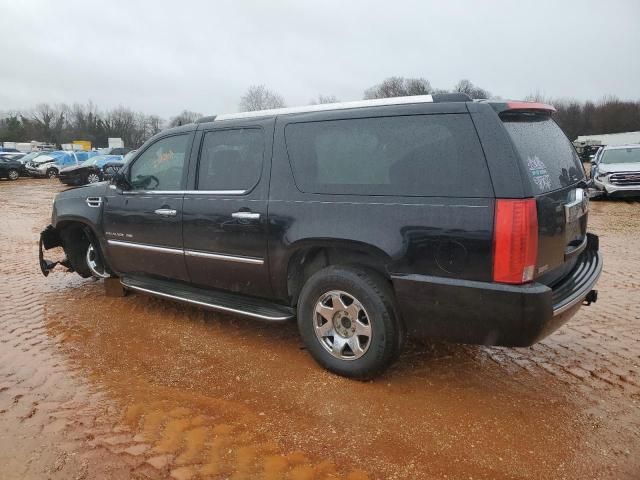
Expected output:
(50, 238)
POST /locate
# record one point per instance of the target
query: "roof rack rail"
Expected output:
(377, 102)
(207, 119)
(451, 97)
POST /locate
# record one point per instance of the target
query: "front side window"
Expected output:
(417, 155)
(162, 165)
(231, 159)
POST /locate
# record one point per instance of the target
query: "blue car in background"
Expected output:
(49, 164)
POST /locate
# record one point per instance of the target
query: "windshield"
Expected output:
(30, 156)
(621, 155)
(548, 156)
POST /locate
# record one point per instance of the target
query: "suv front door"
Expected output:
(143, 224)
(225, 214)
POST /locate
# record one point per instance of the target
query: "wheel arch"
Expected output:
(86, 229)
(308, 256)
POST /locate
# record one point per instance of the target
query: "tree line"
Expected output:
(63, 123)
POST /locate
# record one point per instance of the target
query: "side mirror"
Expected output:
(120, 181)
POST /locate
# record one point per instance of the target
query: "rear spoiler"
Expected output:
(514, 106)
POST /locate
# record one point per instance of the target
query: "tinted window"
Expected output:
(420, 155)
(231, 159)
(549, 158)
(161, 166)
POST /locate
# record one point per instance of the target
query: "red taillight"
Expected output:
(515, 241)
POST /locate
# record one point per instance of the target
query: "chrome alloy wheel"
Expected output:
(13, 174)
(341, 325)
(96, 269)
(93, 178)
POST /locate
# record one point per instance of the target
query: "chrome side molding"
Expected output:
(228, 258)
(189, 253)
(143, 246)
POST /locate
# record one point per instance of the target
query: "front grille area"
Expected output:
(625, 178)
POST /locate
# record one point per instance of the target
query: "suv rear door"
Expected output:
(553, 170)
(225, 209)
(536, 159)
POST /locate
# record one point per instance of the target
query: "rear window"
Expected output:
(549, 158)
(418, 155)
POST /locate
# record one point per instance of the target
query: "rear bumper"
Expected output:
(70, 180)
(495, 314)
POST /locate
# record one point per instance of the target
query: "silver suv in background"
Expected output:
(616, 170)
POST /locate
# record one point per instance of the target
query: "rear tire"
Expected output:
(13, 174)
(93, 178)
(348, 321)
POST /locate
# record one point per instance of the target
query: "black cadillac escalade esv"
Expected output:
(368, 221)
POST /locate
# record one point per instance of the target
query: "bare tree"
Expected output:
(153, 124)
(49, 121)
(399, 87)
(321, 99)
(184, 117)
(466, 86)
(258, 97)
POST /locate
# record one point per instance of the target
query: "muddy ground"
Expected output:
(137, 387)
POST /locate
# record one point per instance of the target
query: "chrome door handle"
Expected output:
(246, 215)
(166, 212)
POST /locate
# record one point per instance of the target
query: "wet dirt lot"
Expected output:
(136, 387)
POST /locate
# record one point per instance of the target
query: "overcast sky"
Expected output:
(164, 56)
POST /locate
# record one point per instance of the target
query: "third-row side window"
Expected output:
(417, 155)
(231, 159)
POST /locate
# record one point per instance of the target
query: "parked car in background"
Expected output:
(129, 155)
(9, 168)
(17, 157)
(616, 170)
(114, 151)
(12, 155)
(430, 216)
(91, 170)
(50, 163)
(111, 168)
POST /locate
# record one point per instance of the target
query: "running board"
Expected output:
(211, 299)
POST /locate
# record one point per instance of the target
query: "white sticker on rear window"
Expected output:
(539, 173)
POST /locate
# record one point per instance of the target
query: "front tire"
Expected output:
(13, 174)
(52, 173)
(348, 321)
(95, 266)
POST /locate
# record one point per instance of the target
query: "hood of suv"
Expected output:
(90, 190)
(618, 167)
